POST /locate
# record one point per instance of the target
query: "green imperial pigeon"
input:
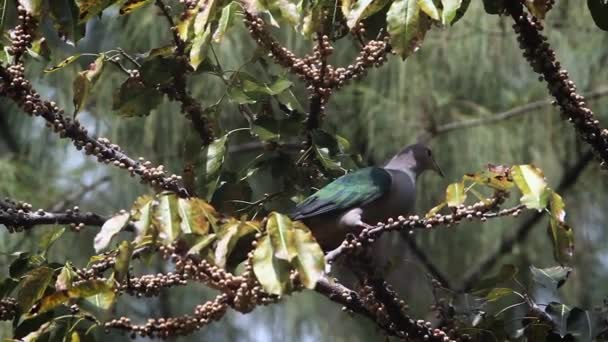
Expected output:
(365, 197)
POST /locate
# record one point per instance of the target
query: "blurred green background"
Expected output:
(472, 70)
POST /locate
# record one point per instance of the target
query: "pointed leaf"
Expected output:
(196, 216)
(63, 63)
(85, 289)
(362, 9)
(281, 232)
(212, 159)
(131, 5)
(110, 228)
(271, 272)
(226, 21)
(450, 10)
(561, 234)
(498, 293)
(202, 244)
(168, 217)
(200, 45)
(123, 258)
(310, 260)
(227, 237)
(144, 220)
(83, 83)
(455, 195)
(531, 182)
(435, 210)
(428, 7)
(538, 8)
(407, 26)
(32, 287)
(65, 277)
(599, 13)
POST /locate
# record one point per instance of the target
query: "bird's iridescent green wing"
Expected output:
(349, 191)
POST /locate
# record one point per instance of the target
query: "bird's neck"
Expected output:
(404, 163)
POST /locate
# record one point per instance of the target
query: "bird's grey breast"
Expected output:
(399, 200)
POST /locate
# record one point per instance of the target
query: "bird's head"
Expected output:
(416, 158)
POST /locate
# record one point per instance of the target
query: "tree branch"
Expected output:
(506, 246)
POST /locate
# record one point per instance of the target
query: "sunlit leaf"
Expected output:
(538, 8)
(63, 63)
(123, 259)
(561, 234)
(531, 182)
(32, 287)
(74, 337)
(271, 272)
(200, 45)
(196, 215)
(429, 7)
(212, 159)
(455, 195)
(40, 334)
(450, 10)
(85, 289)
(83, 83)
(226, 20)
(144, 220)
(201, 244)
(599, 13)
(109, 229)
(310, 260)
(65, 277)
(362, 9)
(32, 6)
(228, 235)
(407, 26)
(486, 285)
(495, 176)
(498, 293)
(435, 209)
(49, 238)
(131, 5)
(168, 217)
(281, 232)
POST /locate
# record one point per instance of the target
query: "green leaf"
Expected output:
(32, 287)
(238, 96)
(123, 258)
(204, 16)
(40, 50)
(559, 315)
(202, 244)
(226, 20)
(281, 232)
(494, 6)
(498, 293)
(144, 221)
(200, 45)
(228, 236)
(99, 294)
(486, 285)
(64, 14)
(550, 278)
(131, 5)
(455, 195)
(63, 63)
(428, 7)
(133, 98)
(561, 234)
(406, 26)
(599, 13)
(212, 159)
(310, 260)
(531, 182)
(168, 217)
(83, 83)
(49, 238)
(435, 210)
(582, 324)
(362, 9)
(90, 8)
(110, 228)
(276, 130)
(538, 8)
(450, 10)
(86, 289)
(280, 85)
(24, 263)
(65, 277)
(461, 10)
(196, 215)
(271, 272)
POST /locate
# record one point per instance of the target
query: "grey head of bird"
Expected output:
(414, 159)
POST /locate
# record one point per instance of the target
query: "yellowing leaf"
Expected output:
(531, 182)
(281, 232)
(227, 237)
(201, 244)
(32, 287)
(455, 195)
(428, 7)
(407, 26)
(90, 8)
(538, 8)
(168, 217)
(85, 289)
(83, 83)
(362, 9)
(310, 260)
(63, 63)
(226, 19)
(498, 293)
(110, 228)
(271, 272)
(131, 5)
(123, 259)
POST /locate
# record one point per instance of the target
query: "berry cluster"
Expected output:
(23, 34)
(543, 61)
(8, 309)
(14, 85)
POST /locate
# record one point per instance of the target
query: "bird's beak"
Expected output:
(437, 169)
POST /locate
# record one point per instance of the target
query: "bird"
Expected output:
(364, 197)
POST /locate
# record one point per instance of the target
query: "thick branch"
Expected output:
(506, 246)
